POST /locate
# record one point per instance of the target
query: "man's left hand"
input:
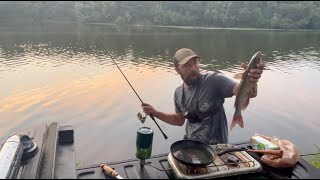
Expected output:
(254, 74)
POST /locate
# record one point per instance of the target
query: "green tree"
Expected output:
(259, 14)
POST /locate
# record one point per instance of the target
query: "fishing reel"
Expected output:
(141, 118)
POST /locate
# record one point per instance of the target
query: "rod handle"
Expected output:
(271, 152)
(164, 135)
(109, 170)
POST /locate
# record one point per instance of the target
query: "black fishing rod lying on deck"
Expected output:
(101, 44)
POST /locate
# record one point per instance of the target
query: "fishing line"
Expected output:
(227, 10)
(101, 44)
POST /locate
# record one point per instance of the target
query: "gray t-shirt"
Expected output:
(207, 120)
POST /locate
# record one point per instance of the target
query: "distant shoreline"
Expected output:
(227, 28)
(208, 28)
(189, 27)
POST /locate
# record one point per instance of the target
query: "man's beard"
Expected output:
(191, 80)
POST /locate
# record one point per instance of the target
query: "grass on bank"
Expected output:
(315, 159)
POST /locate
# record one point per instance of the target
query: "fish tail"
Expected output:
(237, 119)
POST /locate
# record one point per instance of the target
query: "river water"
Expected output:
(57, 72)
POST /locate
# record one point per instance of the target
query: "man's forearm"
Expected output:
(170, 118)
(235, 89)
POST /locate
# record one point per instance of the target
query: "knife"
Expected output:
(110, 171)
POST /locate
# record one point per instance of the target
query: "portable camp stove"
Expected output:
(228, 164)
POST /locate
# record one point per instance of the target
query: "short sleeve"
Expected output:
(223, 85)
(176, 104)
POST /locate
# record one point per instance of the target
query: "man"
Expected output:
(200, 99)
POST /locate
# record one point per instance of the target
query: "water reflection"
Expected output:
(220, 48)
(62, 74)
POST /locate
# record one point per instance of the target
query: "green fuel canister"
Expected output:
(144, 143)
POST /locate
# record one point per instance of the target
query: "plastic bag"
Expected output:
(290, 157)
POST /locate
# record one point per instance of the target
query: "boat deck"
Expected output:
(56, 159)
(131, 169)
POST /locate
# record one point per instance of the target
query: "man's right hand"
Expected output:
(176, 119)
(148, 109)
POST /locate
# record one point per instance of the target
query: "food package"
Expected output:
(261, 143)
(291, 154)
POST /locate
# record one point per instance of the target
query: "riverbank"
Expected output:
(191, 27)
(159, 26)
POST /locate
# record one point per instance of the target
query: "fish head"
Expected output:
(256, 59)
(258, 56)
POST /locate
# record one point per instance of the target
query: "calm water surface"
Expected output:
(58, 73)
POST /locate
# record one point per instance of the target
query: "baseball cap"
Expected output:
(183, 55)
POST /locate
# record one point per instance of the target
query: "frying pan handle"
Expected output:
(231, 150)
(271, 152)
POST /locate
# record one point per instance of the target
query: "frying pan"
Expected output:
(197, 154)
(192, 153)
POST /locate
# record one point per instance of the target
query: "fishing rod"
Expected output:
(101, 44)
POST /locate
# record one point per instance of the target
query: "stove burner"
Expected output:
(233, 159)
(230, 159)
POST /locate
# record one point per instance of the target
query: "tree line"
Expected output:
(236, 14)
